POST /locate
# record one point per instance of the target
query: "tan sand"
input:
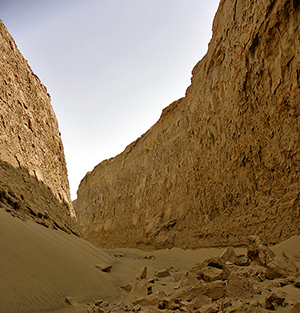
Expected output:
(39, 267)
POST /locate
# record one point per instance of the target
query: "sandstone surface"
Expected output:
(223, 162)
(33, 173)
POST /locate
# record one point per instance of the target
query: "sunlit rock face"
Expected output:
(29, 134)
(221, 163)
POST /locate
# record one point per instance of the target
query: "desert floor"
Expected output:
(41, 267)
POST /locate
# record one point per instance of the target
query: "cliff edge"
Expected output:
(33, 173)
(221, 163)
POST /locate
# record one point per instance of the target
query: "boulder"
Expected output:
(280, 267)
(238, 286)
(258, 251)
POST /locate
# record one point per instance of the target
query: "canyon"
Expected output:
(219, 168)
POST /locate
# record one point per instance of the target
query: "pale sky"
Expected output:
(110, 66)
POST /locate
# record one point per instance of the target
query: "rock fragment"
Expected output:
(273, 300)
(280, 267)
(142, 273)
(296, 307)
(258, 251)
(104, 267)
(98, 302)
(151, 300)
(229, 255)
(69, 300)
(163, 273)
(238, 286)
(242, 260)
(210, 273)
(144, 286)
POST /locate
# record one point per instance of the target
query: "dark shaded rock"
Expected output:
(69, 300)
(273, 300)
(242, 260)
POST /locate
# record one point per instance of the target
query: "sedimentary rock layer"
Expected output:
(29, 134)
(221, 163)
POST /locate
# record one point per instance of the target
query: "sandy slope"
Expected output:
(39, 267)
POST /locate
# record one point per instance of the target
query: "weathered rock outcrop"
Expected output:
(33, 173)
(223, 162)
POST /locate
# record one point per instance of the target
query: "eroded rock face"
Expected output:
(29, 134)
(223, 162)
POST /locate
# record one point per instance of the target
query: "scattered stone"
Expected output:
(212, 308)
(210, 273)
(104, 267)
(98, 302)
(178, 277)
(104, 304)
(295, 259)
(127, 287)
(148, 257)
(136, 308)
(258, 251)
(229, 255)
(273, 300)
(242, 260)
(69, 300)
(214, 290)
(279, 267)
(238, 286)
(296, 307)
(297, 283)
(255, 303)
(119, 255)
(151, 300)
(142, 273)
(163, 273)
(144, 286)
(164, 304)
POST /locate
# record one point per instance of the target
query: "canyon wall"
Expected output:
(33, 173)
(221, 163)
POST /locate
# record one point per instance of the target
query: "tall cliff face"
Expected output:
(221, 163)
(30, 142)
